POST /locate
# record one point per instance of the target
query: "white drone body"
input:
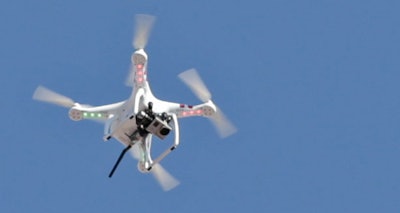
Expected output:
(134, 121)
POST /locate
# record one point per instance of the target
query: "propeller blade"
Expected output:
(224, 127)
(192, 79)
(194, 82)
(46, 95)
(144, 23)
(135, 152)
(164, 178)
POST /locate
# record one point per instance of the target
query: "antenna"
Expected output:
(119, 160)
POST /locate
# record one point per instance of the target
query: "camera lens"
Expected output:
(164, 131)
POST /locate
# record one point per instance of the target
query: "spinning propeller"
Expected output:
(192, 79)
(143, 24)
(162, 176)
(46, 95)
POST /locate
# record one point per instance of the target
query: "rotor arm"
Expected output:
(206, 109)
(98, 113)
(184, 110)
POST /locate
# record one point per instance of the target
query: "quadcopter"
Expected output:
(135, 121)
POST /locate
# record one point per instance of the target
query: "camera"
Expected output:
(159, 127)
(150, 122)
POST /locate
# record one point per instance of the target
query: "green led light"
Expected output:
(92, 115)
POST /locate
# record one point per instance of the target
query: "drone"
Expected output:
(134, 121)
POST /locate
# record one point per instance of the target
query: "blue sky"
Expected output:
(311, 85)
